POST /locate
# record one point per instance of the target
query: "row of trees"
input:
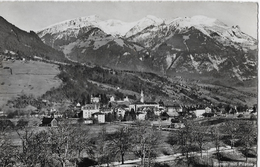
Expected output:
(68, 144)
(194, 137)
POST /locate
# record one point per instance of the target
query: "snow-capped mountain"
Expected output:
(197, 44)
(113, 27)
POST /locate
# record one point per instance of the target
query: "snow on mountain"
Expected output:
(144, 23)
(113, 27)
(71, 26)
(211, 26)
(116, 27)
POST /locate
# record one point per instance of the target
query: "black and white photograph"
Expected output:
(129, 83)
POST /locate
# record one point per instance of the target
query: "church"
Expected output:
(142, 104)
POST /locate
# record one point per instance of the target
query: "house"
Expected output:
(178, 125)
(120, 112)
(141, 116)
(112, 99)
(78, 105)
(208, 110)
(100, 117)
(126, 99)
(198, 112)
(89, 109)
(158, 112)
(48, 121)
(173, 108)
(172, 115)
(95, 99)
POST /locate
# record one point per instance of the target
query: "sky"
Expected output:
(38, 15)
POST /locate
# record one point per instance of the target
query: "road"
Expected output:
(165, 158)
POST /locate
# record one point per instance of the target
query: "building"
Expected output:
(141, 116)
(199, 112)
(173, 108)
(112, 99)
(142, 105)
(100, 117)
(46, 121)
(95, 99)
(126, 99)
(89, 109)
(208, 110)
(120, 112)
(138, 106)
(78, 105)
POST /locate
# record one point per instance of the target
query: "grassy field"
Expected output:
(30, 77)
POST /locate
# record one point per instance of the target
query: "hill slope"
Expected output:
(23, 44)
(30, 78)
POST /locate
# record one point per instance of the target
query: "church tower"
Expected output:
(142, 96)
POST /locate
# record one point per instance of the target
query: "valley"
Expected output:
(154, 92)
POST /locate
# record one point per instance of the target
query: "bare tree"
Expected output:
(61, 141)
(146, 139)
(7, 150)
(120, 142)
(104, 154)
(231, 128)
(200, 134)
(34, 147)
(248, 136)
(185, 139)
(215, 135)
(82, 141)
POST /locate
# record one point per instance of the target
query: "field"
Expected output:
(30, 77)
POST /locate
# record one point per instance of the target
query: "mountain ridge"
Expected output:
(197, 44)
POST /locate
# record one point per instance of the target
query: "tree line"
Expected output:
(77, 145)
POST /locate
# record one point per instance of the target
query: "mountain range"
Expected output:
(198, 59)
(197, 45)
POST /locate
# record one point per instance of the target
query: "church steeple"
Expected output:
(142, 96)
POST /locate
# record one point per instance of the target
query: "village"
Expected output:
(122, 110)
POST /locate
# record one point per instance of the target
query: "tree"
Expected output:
(62, 143)
(200, 136)
(146, 140)
(150, 115)
(7, 151)
(34, 148)
(104, 154)
(83, 141)
(132, 113)
(184, 138)
(215, 135)
(231, 128)
(120, 142)
(248, 136)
